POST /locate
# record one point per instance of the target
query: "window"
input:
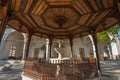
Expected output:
(36, 52)
(82, 52)
(12, 51)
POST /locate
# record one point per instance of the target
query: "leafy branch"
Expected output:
(104, 36)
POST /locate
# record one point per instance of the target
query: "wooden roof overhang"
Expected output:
(61, 18)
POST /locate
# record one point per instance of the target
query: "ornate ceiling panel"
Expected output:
(61, 18)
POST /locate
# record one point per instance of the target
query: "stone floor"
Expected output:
(11, 70)
(110, 70)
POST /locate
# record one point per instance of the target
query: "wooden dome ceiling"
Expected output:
(59, 18)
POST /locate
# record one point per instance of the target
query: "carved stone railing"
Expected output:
(63, 70)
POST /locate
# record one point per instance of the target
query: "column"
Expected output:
(94, 36)
(71, 45)
(24, 49)
(47, 49)
(28, 44)
(70, 37)
(50, 45)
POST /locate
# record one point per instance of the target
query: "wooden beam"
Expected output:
(39, 32)
(32, 6)
(23, 23)
(23, 5)
(80, 34)
(116, 15)
(105, 27)
(102, 20)
(3, 20)
(27, 20)
(89, 5)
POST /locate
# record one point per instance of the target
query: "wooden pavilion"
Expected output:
(59, 19)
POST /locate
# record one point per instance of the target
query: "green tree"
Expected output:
(104, 37)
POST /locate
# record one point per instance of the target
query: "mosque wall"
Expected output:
(11, 39)
(35, 47)
(82, 47)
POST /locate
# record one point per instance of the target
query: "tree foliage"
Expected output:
(104, 37)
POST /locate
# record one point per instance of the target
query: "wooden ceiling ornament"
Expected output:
(3, 3)
(61, 17)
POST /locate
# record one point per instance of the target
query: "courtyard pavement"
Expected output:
(110, 70)
(12, 69)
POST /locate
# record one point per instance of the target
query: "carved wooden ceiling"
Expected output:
(61, 18)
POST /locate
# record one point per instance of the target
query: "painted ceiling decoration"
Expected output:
(61, 18)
